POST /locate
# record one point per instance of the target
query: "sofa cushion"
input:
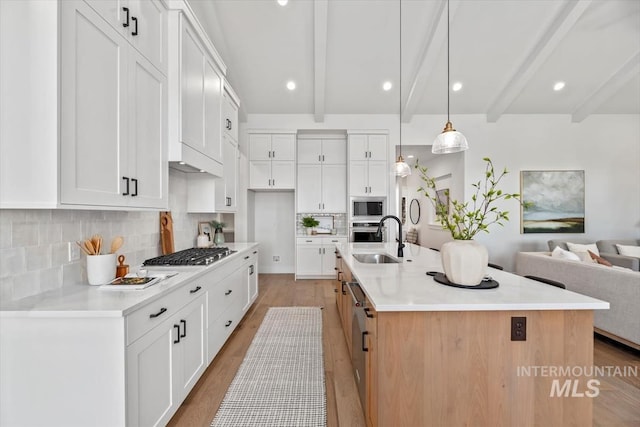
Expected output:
(560, 253)
(628, 250)
(609, 246)
(577, 247)
(599, 259)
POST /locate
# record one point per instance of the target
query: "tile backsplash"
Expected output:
(34, 243)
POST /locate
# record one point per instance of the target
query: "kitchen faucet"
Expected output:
(379, 232)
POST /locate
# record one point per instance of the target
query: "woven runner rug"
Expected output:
(281, 379)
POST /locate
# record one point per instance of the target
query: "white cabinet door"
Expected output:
(378, 177)
(150, 375)
(283, 147)
(212, 112)
(358, 147)
(192, 359)
(334, 151)
(93, 139)
(148, 32)
(309, 151)
(147, 134)
(358, 178)
(253, 280)
(226, 187)
(260, 174)
(192, 90)
(283, 175)
(230, 116)
(260, 147)
(334, 188)
(377, 147)
(309, 190)
(328, 260)
(309, 260)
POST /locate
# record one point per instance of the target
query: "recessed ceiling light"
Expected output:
(387, 86)
(291, 85)
(283, 2)
(182, 163)
(456, 86)
(410, 156)
(558, 86)
(201, 170)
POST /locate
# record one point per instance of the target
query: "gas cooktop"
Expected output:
(193, 256)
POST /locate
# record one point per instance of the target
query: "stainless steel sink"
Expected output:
(375, 259)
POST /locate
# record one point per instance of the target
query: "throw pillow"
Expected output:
(599, 259)
(575, 247)
(629, 250)
(560, 253)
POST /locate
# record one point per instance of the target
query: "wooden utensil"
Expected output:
(89, 247)
(166, 233)
(84, 249)
(116, 244)
(122, 269)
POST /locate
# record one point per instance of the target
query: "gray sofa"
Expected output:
(607, 249)
(620, 287)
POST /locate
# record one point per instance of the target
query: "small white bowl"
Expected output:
(142, 273)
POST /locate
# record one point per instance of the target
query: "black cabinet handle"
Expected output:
(226, 325)
(251, 270)
(177, 340)
(230, 125)
(343, 291)
(126, 180)
(366, 312)
(193, 291)
(135, 186)
(255, 252)
(154, 315)
(135, 30)
(228, 292)
(364, 334)
(247, 257)
(184, 328)
(126, 23)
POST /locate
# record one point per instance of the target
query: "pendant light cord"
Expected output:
(448, 83)
(400, 79)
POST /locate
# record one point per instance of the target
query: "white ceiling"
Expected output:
(507, 53)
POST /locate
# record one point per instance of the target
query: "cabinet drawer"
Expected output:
(151, 315)
(309, 240)
(221, 327)
(222, 295)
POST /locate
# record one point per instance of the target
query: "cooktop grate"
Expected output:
(193, 256)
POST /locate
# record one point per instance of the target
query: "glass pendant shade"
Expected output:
(402, 168)
(449, 141)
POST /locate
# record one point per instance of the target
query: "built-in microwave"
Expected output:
(368, 208)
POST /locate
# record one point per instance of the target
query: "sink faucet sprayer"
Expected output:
(400, 244)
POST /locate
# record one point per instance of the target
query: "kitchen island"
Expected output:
(86, 356)
(444, 356)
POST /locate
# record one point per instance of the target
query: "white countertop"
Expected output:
(83, 300)
(407, 287)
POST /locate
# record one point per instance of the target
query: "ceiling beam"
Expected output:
(429, 51)
(566, 17)
(607, 89)
(319, 57)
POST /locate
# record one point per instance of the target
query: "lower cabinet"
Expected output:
(315, 257)
(164, 364)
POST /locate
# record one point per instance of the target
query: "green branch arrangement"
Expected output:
(468, 219)
(217, 224)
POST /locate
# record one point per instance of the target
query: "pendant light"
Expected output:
(450, 140)
(402, 168)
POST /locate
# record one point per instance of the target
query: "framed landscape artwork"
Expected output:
(553, 201)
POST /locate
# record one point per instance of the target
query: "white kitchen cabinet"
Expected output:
(315, 257)
(322, 188)
(226, 188)
(368, 171)
(271, 161)
(141, 22)
(252, 280)
(113, 116)
(230, 105)
(322, 151)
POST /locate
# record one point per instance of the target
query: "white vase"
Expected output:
(464, 262)
(309, 231)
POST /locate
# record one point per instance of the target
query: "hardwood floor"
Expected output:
(618, 403)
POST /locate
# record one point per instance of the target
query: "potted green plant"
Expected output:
(309, 222)
(465, 261)
(218, 234)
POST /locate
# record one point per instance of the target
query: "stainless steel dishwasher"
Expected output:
(358, 340)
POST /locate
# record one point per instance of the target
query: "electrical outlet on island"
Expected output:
(74, 251)
(276, 258)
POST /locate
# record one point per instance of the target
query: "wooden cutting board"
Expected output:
(166, 233)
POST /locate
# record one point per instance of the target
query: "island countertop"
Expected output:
(405, 286)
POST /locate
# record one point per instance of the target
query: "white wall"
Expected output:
(274, 222)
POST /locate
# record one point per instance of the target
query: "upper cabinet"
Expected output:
(107, 104)
(230, 112)
(368, 172)
(272, 160)
(195, 99)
